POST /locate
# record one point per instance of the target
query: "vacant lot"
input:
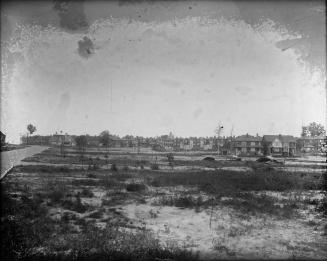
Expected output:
(138, 207)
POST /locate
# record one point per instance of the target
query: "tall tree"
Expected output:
(81, 143)
(105, 138)
(313, 130)
(31, 129)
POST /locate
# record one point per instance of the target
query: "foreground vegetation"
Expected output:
(57, 213)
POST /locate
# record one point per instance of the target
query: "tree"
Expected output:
(81, 143)
(105, 138)
(31, 128)
(313, 130)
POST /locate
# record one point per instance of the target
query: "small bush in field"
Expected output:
(135, 187)
(87, 193)
(114, 167)
(57, 195)
(91, 175)
(125, 168)
(75, 205)
(155, 166)
(182, 201)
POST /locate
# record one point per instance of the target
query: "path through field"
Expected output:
(13, 157)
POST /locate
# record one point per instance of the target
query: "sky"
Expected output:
(150, 67)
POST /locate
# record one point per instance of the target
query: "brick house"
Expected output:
(247, 145)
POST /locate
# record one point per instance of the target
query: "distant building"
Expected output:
(311, 144)
(206, 143)
(61, 139)
(279, 145)
(186, 144)
(247, 145)
(36, 140)
(3, 138)
(167, 142)
(93, 141)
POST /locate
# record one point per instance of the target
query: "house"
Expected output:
(206, 144)
(167, 141)
(61, 139)
(311, 144)
(247, 145)
(279, 145)
(93, 141)
(3, 138)
(186, 144)
(36, 140)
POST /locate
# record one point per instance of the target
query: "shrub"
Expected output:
(135, 187)
(75, 205)
(56, 195)
(114, 167)
(91, 175)
(86, 182)
(87, 193)
(182, 201)
(155, 166)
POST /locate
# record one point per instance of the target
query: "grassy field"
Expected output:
(137, 207)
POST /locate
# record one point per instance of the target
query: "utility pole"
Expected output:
(218, 131)
(231, 139)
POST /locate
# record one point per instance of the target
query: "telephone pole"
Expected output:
(218, 131)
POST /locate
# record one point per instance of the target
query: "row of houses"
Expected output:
(247, 145)
(279, 145)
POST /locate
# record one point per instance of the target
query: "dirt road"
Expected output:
(14, 157)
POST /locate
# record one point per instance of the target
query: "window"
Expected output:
(252, 144)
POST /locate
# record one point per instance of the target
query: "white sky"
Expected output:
(151, 76)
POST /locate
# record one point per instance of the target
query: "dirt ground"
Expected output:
(227, 211)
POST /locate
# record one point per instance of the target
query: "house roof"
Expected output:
(248, 138)
(282, 138)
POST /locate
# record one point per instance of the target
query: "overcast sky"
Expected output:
(149, 67)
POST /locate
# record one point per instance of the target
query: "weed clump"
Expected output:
(135, 187)
(113, 167)
(155, 166)
(87, 193)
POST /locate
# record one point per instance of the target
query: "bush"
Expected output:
(91, 175)
(87, 193)
(182, 201)
(57, 192)
(75, 205)
(155, 166)
(135, 187)
(114, 167)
